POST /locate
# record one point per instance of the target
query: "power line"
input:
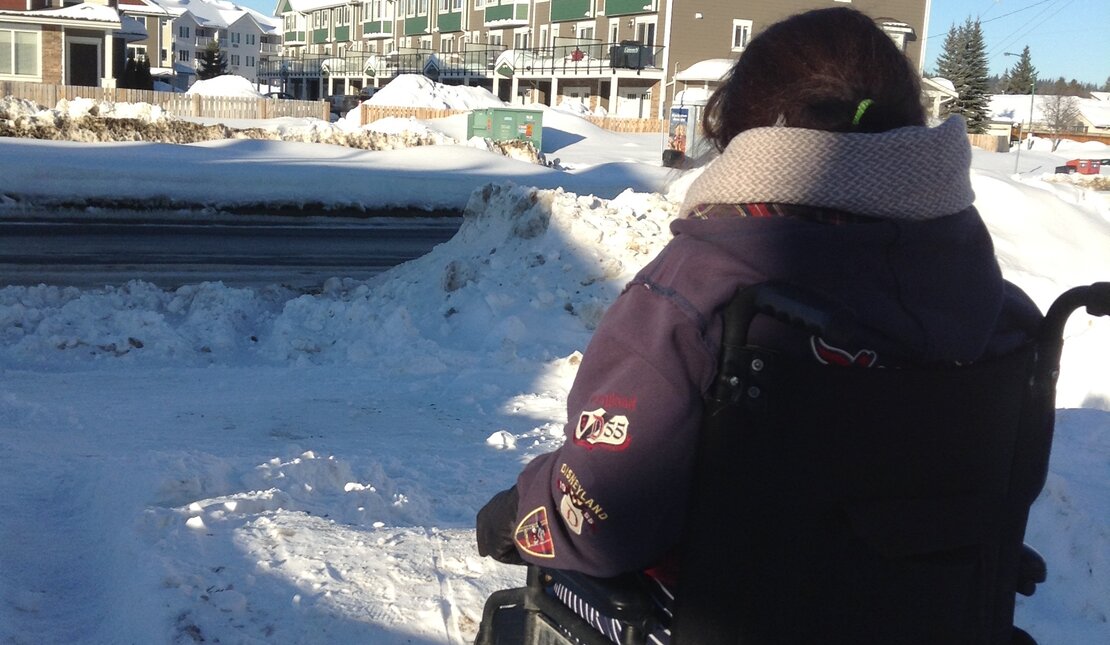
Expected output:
(1032, 25)
(983, 22)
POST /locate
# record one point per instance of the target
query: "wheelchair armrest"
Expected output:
(624, 597)
(1032, 570)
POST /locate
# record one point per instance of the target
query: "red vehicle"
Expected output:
(1086, 166)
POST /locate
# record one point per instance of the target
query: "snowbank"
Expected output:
(227, 85)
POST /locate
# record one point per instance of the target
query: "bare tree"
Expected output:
(1061, 113)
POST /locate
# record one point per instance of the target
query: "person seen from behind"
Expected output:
(829, 178)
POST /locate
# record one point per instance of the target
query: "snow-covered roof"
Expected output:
(692, 96)
(219, 14)
(305, 6)
(1014, 108)
(141, 8)
(131, 29)
(1101, 96)
(1096, 112)
(706, 71)
(86, 12)
(941, 83)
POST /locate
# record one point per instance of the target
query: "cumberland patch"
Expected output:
(599, 428)
(533, 534)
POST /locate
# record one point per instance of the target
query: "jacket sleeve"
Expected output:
(612, 498)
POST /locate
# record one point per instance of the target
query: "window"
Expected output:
(252, 39)
(19, 52)
(235, 60)
(236, 37)
(446, 45)
(741, 34)
(183, 55)
(457, 5)
(584, 30)
(250, 61)
(898, 32)
(645, 32)
(493, 39)
(522, 39)
(138, 52)
(444, 5)
(183, 31)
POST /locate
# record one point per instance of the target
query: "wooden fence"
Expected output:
(172, 103)
(370, 113)
(223, 107)
(990, 142)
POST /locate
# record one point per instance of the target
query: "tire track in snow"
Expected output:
(448, 604)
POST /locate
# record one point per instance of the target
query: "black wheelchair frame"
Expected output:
(914, 536)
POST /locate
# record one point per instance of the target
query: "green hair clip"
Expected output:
(860, 109)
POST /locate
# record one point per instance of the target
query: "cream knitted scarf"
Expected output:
(913, 173)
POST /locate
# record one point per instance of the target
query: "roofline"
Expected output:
(30, 17)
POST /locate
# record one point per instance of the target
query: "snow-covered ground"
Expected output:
(259, 465)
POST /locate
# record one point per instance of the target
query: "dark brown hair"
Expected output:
(812, 70)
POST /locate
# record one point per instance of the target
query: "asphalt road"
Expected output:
(298, 254)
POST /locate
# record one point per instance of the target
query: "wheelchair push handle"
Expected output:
(1095, 298)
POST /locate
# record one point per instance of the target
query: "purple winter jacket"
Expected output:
(613, 498)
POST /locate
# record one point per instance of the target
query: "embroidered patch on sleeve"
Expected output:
(533, 534)
(826, 354)
(597, 428)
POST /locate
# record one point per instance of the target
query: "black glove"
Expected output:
(496, 526)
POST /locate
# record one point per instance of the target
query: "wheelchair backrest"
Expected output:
(859, 505)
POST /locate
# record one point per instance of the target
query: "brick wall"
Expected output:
(52, 54)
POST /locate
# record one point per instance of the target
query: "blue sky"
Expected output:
(1069, 38)
(1066, 38)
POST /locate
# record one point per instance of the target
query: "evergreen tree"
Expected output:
(127, 80)
(1020, 78)
(964, 62)
(143, 78)
(212, 62)
(1106, 85)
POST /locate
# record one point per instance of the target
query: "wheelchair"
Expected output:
(836, 505)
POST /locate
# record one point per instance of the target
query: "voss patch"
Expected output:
(533, 534)
(597, 428)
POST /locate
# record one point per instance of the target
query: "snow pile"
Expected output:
(513, 240)
(227, 85)
(415, 90)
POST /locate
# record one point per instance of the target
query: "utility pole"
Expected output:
(1032, 95)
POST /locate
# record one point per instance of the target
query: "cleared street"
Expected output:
(171, 253)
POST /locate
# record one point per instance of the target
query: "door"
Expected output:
(633, 103)
(83, 64)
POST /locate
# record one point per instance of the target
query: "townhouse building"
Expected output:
(156, 44)
(624, 56)
(244, 36)
(52, 41)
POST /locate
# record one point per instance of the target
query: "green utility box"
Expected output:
(506, 124)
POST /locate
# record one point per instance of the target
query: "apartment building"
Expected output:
(244, 36)
(619, 55)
